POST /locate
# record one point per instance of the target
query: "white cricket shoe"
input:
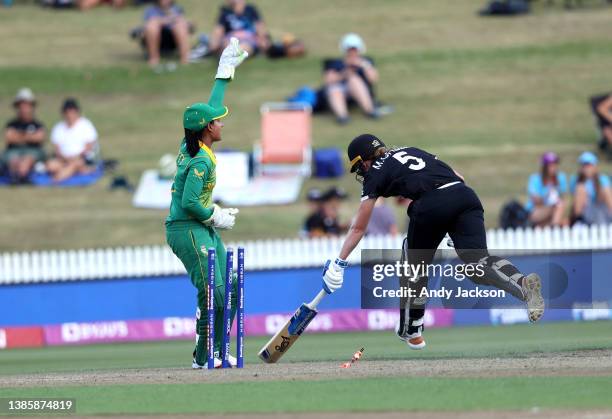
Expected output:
(231, 360)
(532, 290)
(197, 366)
(415, 340)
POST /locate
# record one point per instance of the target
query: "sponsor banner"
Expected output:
(21, 337)
(119, 331)
(255, 325)
(344, 321)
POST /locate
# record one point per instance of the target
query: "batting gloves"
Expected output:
(333, 275)
(231, 57)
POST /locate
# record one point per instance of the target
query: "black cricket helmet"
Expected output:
(363, 147)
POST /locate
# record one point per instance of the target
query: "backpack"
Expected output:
(513, 215)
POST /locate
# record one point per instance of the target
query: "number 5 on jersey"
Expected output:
(404, 158)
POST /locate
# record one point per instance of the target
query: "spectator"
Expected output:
(75, 143)
(90, 4)
(241, 20)
(351, 80)
(326, 222)
(547, 194)
(165, 24)
(602, 109)
(591, 190)
(24, 137)
(382, 221)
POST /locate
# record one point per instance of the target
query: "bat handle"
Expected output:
(315, 302)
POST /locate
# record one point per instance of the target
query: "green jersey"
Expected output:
(193, 186)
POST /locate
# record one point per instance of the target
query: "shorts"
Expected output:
(24, 151)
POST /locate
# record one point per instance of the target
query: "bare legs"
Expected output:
(62, 169)
(153, 33)
(338, 93)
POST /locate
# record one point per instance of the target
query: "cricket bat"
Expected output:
(291, 331)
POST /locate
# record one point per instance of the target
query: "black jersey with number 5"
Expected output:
(408, 172)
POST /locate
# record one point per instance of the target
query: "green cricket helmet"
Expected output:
(363, 147)
(200, 114)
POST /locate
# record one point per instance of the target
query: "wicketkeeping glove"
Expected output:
(333, 275)
(231, 57)
(223, 218)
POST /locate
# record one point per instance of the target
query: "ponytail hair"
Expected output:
(192, 141)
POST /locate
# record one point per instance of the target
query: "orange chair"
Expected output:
(285, 145)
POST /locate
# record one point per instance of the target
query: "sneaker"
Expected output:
(231, 361)
(414, 340)
(197, 366)
(532, 290)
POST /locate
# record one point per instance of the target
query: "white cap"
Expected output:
(352, 40)
(24, 95)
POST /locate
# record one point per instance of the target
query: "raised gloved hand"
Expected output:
(223, 218)
(333, 275)
(231, 57)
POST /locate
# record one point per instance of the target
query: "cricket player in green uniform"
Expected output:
(193, 223)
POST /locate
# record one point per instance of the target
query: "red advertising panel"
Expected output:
(21, 337)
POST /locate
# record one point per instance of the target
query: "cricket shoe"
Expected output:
(414, 340)
(197, 366)
(230, 359)
(532, 290)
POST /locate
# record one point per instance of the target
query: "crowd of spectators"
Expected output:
(74, 142)
(553, 201)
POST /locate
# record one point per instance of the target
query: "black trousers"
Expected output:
(455, 210)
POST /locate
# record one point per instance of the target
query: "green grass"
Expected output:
(466, 342)
(487, 95)
(368, 394)
(327, 395)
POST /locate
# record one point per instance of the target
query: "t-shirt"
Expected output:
(550, 194)
(22, 126)
(156, 11)
(381, 221)
(72, 141)
(604, 182)
(407, 172)
(238, 22)
(338, 65)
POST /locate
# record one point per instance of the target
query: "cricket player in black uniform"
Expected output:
(441, 203)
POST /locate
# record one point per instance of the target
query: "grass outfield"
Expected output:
(371, 394)
(487, 95)
(292, 394)
(466, 342)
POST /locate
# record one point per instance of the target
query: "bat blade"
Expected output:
(280, 343)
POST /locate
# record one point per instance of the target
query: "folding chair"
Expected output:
(285, 145)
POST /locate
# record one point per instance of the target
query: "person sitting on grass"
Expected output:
(547, 194)
(591, 191)
(24, 137)
(75, 144)
(165, 24)
(240, 20)
(350, 80)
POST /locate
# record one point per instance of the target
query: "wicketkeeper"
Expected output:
(441, 203)
(193, 223)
